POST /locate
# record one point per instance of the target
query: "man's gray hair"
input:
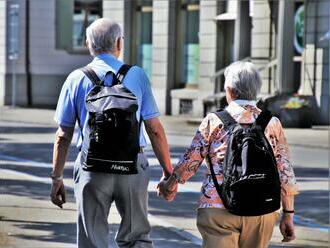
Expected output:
(244, 79)
(102, 35)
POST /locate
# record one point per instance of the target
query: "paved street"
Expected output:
(28, 219)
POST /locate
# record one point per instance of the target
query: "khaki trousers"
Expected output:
(221, 229)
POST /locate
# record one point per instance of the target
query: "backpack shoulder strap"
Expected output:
(213, 176)
(226, 118)
(90, 73)
(263, 119)
(121, 74)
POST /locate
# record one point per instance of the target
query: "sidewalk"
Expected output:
(316, 137)
(25, 215)
(21, 210)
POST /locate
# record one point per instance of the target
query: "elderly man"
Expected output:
(218, 227)
(95, 191)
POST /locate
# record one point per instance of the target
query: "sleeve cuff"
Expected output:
(150, 116)
(64, 123)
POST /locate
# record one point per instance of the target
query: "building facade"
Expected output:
(183, 45)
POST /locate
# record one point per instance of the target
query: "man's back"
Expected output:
(71, 103)
(95, 191)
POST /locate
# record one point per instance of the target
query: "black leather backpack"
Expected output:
(251, 184)
(111, 139)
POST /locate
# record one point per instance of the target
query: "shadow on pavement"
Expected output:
(37, 152)
(184, 205)
(33, 190)
(161, 237)
(310, 172)
(26, 130)
(36, 171)
(58, 232)
(314, 205)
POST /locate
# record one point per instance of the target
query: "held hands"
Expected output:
(57, 193)
(287, 228)
(168, 188)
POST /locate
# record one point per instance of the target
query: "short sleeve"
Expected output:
(149, 107)
(65, 114)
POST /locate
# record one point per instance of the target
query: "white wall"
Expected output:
(45, 58)
(2, 50)
(114, 9)
(160, 37)
(260, 38)
(207, 44)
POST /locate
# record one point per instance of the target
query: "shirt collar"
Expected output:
(241, 102)
(243, 111)
(106, 57)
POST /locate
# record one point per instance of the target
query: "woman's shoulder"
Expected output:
(213, 118)
(210, 122)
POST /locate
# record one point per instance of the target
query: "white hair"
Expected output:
(102, 35)
(244, 79)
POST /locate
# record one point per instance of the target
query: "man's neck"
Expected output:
(115, 55)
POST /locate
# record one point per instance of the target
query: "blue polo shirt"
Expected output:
(71, 102)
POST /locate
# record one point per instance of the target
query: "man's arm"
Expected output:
(159, 144)
(62, 143)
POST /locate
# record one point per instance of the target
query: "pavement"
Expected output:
(28, 219)
(316, 137)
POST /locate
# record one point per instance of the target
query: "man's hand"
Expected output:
(168, 188)
(61, 146)
(57, 193)
(287, 228)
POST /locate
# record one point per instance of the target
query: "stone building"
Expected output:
(183, 45)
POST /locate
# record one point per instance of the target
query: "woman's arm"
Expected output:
(192, 158)
(275, 135)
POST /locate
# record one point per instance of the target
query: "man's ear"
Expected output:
(119, 44)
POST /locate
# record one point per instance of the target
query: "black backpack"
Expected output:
(111, 139)
(251, 184)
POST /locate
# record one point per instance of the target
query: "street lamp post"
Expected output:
(14, 46)
(285, 50)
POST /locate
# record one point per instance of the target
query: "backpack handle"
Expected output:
(116, 78)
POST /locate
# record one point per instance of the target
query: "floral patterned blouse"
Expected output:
(211, 139)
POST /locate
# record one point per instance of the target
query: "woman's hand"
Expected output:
(287, 228)
(167, 188)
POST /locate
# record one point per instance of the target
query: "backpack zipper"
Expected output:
(116, 95)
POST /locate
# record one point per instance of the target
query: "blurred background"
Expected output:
(184, 47)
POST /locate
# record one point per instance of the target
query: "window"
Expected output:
(84, 14)
(145, 40)
(188, 44)
(72, 19)
(138, 26)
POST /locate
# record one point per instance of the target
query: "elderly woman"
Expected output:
(218, 227)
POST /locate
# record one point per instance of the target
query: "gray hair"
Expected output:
(102, 35)
(244, 79)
